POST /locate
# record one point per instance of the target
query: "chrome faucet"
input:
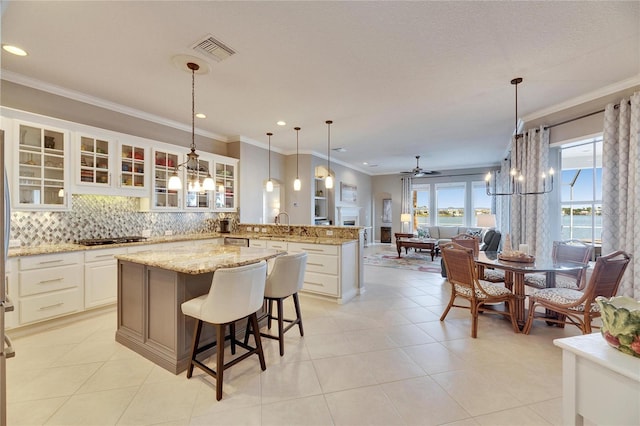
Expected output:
(288, 220)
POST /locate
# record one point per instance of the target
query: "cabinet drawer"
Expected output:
(278, 245)
(322, 263)
(314, 248)
(258, 243)
(49, 260)
(103, 254)
(41, 307)
(321, 283)
(49, 279)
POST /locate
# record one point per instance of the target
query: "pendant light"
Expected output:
(297, 185)
(269, 186)
(516, 179)
(192, 165)
(328, 182)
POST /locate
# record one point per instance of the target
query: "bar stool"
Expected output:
(235, 293)
(284, 280)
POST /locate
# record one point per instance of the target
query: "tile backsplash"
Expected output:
(97, 216)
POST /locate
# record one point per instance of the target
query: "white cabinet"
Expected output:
(278, 245)
(164, 164)
(41, 173)
(93, 161)
(132, 162)
(332, 270)
(226, 184)
(50, 285)
(101, 276)
(320, 207)
(258, 243)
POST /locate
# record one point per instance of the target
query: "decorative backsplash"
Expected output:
(97, 216)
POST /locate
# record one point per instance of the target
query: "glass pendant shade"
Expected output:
(174, 182)
(297, 185)
(208, 184)
(328, 182)
(269, 186)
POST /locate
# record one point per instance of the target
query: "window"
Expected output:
(450, 202)
(421, 208)
(480, 201)
(581, 192)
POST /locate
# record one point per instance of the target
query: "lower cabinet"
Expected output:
(332, 270)
(101, 276)
(50, 285)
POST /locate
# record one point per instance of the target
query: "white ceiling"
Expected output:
(399, 79)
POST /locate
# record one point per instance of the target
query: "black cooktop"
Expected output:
(104, 241)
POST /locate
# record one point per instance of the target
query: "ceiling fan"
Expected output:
(417, 171)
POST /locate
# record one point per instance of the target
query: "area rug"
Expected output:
(414, 261)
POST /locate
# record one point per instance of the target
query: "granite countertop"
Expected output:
(69, 247)
(199, 260)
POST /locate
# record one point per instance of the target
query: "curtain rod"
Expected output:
(616, 106)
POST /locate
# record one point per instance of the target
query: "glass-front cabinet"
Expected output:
(42, 167)
(225, 179)
(164, 163)
(132, 166)
(94, 161)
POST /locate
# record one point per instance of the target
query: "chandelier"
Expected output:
(192, 165)
(516, 179)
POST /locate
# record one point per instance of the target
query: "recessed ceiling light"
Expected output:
(14, 50)
(281, 123)
(201, 115)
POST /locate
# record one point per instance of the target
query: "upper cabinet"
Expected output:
(94, 161)
(164, 164)
(133, 167)
(226, 184)
(41, 175)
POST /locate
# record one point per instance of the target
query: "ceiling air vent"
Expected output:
(213, 48)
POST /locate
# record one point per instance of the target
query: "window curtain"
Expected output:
(529, 213)
(406, 200)
(621, 188)
(503, 202)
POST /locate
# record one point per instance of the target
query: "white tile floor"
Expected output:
(384, 358)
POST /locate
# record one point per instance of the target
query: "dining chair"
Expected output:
(473, 242)
(285, 279)
(235, 294)
(579, 307)
(463, 276)
(565, 251)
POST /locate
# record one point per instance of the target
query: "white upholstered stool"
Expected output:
(284, 280)
(235, 293)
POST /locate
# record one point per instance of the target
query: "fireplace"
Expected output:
(348, 216)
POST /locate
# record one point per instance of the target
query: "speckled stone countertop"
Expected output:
(202, 259)
(69, 247)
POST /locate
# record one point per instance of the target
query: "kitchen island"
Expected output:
(153, 285)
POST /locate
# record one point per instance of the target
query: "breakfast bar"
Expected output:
(152, 287)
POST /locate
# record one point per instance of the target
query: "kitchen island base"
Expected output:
(150, 319)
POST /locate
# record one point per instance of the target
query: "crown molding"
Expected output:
(101, 103)
(582, 99)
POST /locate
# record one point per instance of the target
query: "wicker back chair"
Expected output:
(579, 307)
(565, 251)
(468, 241)
(462, 274)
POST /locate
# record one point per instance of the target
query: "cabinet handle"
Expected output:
(313, 249)
(50, 261)
(103, 255)
(51, 280)
(312, 283)
(55, 305)
(315, 264)
(6, 281)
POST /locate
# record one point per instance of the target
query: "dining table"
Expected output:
(516, 271)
